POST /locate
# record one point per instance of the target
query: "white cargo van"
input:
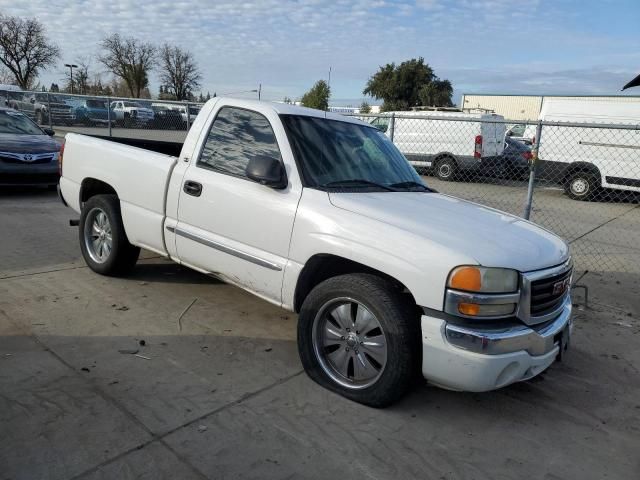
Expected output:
(446, 142)
(584, 159)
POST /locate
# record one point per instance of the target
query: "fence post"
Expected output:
(109, 115)
(532, 171)
(392, 126)
(188, 116)
(49, 110)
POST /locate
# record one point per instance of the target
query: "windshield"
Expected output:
(16, 123)
(132, 104)
(333, 153)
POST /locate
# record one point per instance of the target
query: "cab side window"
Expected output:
(237, 136)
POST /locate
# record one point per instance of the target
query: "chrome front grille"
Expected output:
(548, 293)
(28, 158)
(544, 293)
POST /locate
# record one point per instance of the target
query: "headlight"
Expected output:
(489, 293)
(483, 280)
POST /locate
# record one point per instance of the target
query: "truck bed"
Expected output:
(167, 148)
(139, 175)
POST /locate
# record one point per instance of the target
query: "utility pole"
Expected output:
(71, 67)
(259, 91)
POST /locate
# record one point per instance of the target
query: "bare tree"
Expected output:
(25, 49)
(179, 72)
(130, 60)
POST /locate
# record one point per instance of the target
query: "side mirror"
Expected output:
(49, 131)
(509, 133)
(266, 171)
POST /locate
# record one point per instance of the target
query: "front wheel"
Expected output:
(358, 336)
(581, 185)
(446, 169)
(103, 241)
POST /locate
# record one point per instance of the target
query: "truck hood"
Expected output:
(493, 238)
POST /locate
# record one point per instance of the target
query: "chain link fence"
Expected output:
(578, 180)
(162, 120)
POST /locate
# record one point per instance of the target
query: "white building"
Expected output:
(527, 107)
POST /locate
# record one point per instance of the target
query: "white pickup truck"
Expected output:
(322, 215)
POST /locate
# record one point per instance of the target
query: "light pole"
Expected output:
(71, 67)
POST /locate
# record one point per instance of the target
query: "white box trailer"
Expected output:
(446, 142)
(584, 159)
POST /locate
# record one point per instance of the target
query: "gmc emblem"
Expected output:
(561, 286)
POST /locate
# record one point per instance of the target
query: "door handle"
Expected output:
(192, 188)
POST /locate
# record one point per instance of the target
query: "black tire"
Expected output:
(122, 256)
(446, 169)
(581, 185)
(398, 321)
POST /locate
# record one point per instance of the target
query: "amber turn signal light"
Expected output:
(466, 278)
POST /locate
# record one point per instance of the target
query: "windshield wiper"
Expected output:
(411, 183)
(355, 182)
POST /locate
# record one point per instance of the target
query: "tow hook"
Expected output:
(74, 222)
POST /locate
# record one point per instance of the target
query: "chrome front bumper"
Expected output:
(481, 358)
(535, 340)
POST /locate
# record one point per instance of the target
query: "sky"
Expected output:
(482, 46)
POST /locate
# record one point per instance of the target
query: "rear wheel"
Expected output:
(358, 336)
(103, 241)
(581, 185)
(446, 169)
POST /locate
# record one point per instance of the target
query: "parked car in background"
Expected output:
(443, 144)
(584, 160)
(128, 113)
(43, 108)
(28, 154)
(523, 133)
(186, 119)
(513, 163)
(5, 92)
(320, 214)
(167, 118)
(90, 112)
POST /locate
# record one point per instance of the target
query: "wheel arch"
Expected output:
(441, 155)
(91, 187)
(322, 266)
(581, 167)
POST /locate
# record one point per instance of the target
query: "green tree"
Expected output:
(318, 96)
(403, 86)
(365, 107)
(436, 93)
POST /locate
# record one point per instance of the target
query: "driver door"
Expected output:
(229, 225)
